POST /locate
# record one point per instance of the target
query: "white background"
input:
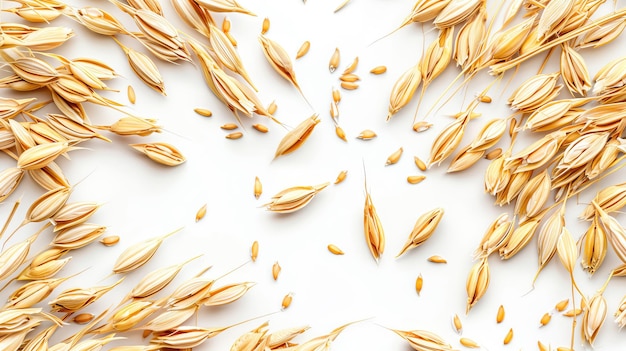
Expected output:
(142, 199)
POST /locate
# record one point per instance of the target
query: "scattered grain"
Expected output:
(421, 126)
(378, 70)
(276, 270)
(485, 99)
(394, 157)
(287, 301)
(419, 283)
(234, 136)
(366, 135)
(334, 61)
(340, 133)
(131, 94)
(229, 126)
(203, 112)
(500, 315)
(110, 240)
(266, 25)
(469, 343)
(349, 85)
(254, 251)
(260, 127)
(304, 48)
(437, 259)
(495, 153)
(415, 179)
(508, 337)
(201, 212)
(341, 176)
(419, 163)
(334, 249)
(271, 109)
(258, 188)
(545, 319)
(561, 305)
(456, 324)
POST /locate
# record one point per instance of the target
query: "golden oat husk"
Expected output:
(286, 301)
(280, 61)
(593, 317)
(500, 315)
(351, 67)
(144, 68)
(284, 336)
(602, 35)
(520, 237)
(227, 294)
(170, 319)
(509, 42)
(340, 133)
(275, 270)
(548, 238)
(366, 135)
(126, 126)
(294, 198)
(258, 188)
(75, 299)
(334, 111)
(567, 251)
(341, 177)
(226, 54)
(574, 71)
(378, 70)
(138, 254)
(33, 292)
(594, 247)
(457, 12)
(535, 92)
(421, 126)
(534, 195)
(303, 50)
(423, 340)
(296, 137)
(466, 158)
(130, 92)
(224, 6)
(336, 95)
(10, 178)
(201, 212)
(434, 61)
(537, 154)
(40, 156)
(545, 319)
(45, 265)
(552, 15)
(334, 249)
(470, 40)
(260, 127)
(404, 89)
(419, 283)
(78, 236)
(372, 227)
(334, 61)
(477, 282)
(162, 153)
(448, 140)
(615, 233)
(495, 237)
(394, 157)
(110, 240)
(423, 229)
(73, 214)
(610, 199)
(72, 129)
(190, 293)
(620, 314)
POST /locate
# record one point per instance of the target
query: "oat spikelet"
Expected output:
(448, 140)
(372, 227)
(435, 60)
(294, 198)
(75, 299)
(296, 137)
(609, 199)
(495, 237)
(457, 12)
(574, 71)
(138, 254)
(224, 6)
(41, 155)
(226, 294)
(423, 229)
(535, 92)
(554, 12)
(280, 61)
(258, 188)
(162, 153)
(477, 283)
(422, 340)
(615, 233)
(593, 317)
(620, 314)
(534, 195)
(548, 238)
(403, 90)
(334, 61)
(470, 40)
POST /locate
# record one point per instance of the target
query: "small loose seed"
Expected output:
(271, 109)
(203, 112)
(226, 25)
(340, 133)
(366, 135)
(334, 61)
(394, 157)
(276, 270)
(469, 343)
(260, 127)
(234, 136)
(572, 313)
(258, 188)
(415, 179)
(422, 126)
(419, 283)
(287, 301)
(342, 5)
(456, 323)
(563, 348)
(110, 240)
(545, 319)
(500, 315)
(83, 318)
(352, 66)
(508, 337)
(254, 251)
(512, 126)
(541, 346)
(437, 259)
(493, 154)
(340, 178)
(419, 163)
(349, 85)
(201, 213)
(336, 95)
(131, 94)
(334, 250)
(484, 98)
(304, 48)
(229, 126)
(266, 25)
(378, 70)
(561, 305)
(349, 78)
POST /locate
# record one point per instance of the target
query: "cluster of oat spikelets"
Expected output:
(581, 141)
